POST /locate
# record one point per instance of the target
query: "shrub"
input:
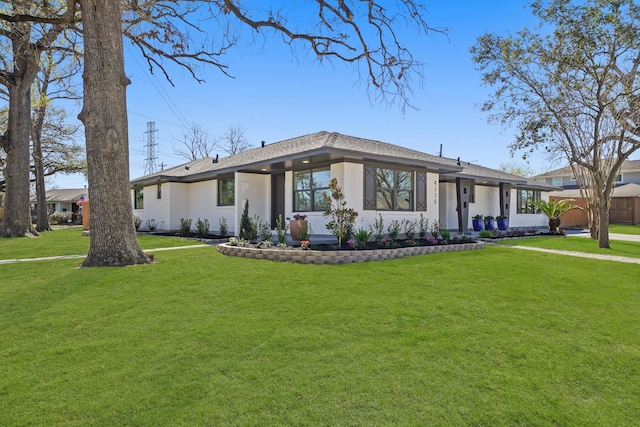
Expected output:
(245, 221)
(423, 227)
(151, 224)
(394, 230)
(222, 224)
(60, 217)
(362, 237)
(281, 230)
(435, 228)
(264, 230)
(202, 227)
(185, 226)
(409, 229)
(137, 222)
(378, 229)
(485, 234)
(446, 234)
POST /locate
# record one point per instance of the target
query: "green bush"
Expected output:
(222, 224)
(202, 227)
(185, 226)
(60, 218)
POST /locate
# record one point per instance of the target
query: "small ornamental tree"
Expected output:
(341, 218)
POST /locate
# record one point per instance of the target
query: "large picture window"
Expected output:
(393, 189)
(308, 189)
(138, 198)
(226, 192)
(525, 201)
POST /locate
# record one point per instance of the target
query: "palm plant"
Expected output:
(554, 209)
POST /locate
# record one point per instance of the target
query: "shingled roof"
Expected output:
(324, 148)
(627, 166)
(319, 147)
(65, 195)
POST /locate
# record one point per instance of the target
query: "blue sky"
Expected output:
(276, 96)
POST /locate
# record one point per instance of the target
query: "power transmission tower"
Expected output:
(150, 164)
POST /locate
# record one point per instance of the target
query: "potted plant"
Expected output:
(478, 223)
(503, 222)
(489, 223)
(299, 227)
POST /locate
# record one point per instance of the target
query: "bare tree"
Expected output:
(233, 141)
(575, 91)
(195, 143)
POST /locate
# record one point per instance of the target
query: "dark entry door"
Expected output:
(277, 198)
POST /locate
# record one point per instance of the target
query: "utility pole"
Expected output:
(150, 164)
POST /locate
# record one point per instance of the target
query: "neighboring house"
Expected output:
(291, 176)
(63, 200)
(563, 177)
(625, 202)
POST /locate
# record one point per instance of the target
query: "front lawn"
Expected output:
(624, 229)
(70, 241)
(490, 337)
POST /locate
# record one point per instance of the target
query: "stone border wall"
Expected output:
(339, 257)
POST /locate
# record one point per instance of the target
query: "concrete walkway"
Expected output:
(603, 257)
(585, 233)
(50, 258)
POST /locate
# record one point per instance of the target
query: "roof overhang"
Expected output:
(301, 161)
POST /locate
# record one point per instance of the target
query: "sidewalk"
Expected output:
(612, 236)
(627, 260)
(585, 233)
(51, 258)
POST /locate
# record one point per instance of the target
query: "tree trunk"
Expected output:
(42, 217)
(603, 205)
(17, 215)
(104, 114)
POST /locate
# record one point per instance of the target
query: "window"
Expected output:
(557, 182)
(618, 178)
(390, 189)
(159, 191)
(525, 200)
(138, 198)
(309, 187)
(226, 192)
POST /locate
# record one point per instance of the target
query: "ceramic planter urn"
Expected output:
(299, 228)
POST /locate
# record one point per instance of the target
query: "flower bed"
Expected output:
(339, 256)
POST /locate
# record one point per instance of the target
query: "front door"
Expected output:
(277, 198)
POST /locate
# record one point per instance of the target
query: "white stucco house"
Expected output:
(289, 177)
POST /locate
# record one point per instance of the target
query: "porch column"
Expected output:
(463, 190)
(505, 198)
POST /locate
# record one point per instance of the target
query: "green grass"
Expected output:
(69, 241)
(624, 229)
(580, 244)
(490, 337)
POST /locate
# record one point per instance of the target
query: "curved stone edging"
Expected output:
(340, 257)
